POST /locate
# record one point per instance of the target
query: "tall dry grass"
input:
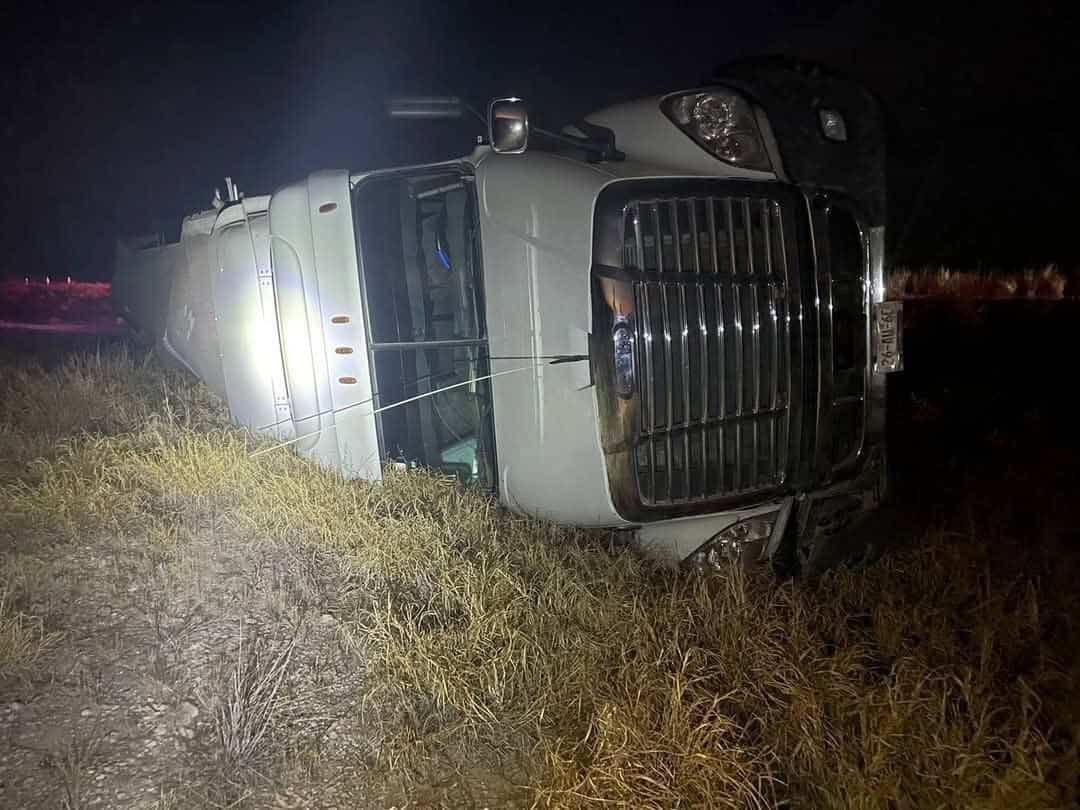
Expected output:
(103, 393)
(935, 678)
(23, 638)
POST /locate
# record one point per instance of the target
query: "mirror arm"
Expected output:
(479, 115)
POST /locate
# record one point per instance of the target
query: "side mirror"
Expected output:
(508, 126)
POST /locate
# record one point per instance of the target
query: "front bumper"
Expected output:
(816, 518)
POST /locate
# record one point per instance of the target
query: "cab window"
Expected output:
(419, 255)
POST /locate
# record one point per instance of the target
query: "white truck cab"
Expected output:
(665, 322)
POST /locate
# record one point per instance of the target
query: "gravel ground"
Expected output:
(206, 672)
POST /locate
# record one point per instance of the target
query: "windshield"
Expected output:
(419, 258)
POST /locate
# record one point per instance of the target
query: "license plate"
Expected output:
(889, 337)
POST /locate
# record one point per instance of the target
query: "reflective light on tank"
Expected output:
(261, 336)
(297, 345)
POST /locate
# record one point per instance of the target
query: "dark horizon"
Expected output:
(123, 123)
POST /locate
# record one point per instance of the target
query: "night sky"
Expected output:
(121, 120)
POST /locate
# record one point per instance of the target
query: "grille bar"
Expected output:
(715, 419)
(703, 337)
(648, 397)
(683, 325)
(755, 338)
(784, 322)
(737, 306)
(774, 327)
(658, 236)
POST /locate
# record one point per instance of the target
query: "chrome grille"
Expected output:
(713, 346)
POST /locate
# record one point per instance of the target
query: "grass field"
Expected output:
(289, 639)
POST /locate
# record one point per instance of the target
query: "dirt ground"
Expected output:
(205, 667)
(158, 651)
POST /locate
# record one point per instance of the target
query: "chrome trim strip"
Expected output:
(755, 338)
(703, 335)
(738, 321)
(829, 464)
(792, 294)
(768, 207)
(648, 414)
(449, 343)
(824, 359)
(686, 375)
(665, 321)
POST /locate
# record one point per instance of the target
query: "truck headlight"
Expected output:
(722, 123)
(743, 542)
(623, 339)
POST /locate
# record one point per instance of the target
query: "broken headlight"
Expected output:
(722, 123)
(742, 542)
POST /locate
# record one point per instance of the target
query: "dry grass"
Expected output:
(72, 762)
(936, 678)
(246, 702)
(104, 393)
(1048, 282)
(23, 639)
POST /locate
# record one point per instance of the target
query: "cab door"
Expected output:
(420, 273)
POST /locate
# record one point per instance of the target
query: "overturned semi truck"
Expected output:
(667, 318)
